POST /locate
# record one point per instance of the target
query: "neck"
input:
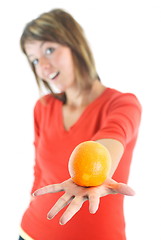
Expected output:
(76, 99)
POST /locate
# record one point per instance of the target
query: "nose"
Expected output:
(44, 63)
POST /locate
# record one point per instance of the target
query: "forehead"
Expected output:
(33, 46)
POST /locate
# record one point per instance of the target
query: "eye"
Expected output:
(35, 62)
(49, 50)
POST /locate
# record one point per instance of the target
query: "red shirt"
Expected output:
(113, 115)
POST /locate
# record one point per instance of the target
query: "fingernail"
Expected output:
(49, 218)
(92, 212)
(61, 223)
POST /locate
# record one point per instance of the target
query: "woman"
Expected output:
(84, 109)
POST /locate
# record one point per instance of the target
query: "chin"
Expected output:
(56, 89)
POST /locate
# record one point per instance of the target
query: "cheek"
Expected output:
(38, 72)
(66, 61)
(68, 65)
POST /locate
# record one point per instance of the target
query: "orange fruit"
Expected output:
(89, 164)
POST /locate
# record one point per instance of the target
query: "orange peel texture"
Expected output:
(89, 164)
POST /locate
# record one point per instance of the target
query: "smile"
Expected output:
(52, 76)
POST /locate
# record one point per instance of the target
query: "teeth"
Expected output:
(53, 75)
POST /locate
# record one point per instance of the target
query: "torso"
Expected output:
(53, 149)
(71, 114)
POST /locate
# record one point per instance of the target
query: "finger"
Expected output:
(121, 188)
(94, 202)
(73, 208)
(124, 189)
(53, 188)
(60, 204)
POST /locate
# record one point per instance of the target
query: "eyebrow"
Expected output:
(31, 55)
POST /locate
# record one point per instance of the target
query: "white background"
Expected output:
(125, 37)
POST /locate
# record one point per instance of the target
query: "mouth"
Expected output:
(52, 76)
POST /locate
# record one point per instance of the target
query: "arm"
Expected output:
(116, 150)
(37, 170)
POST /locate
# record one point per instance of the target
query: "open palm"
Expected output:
(76, 195)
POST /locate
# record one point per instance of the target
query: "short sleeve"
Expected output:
(122, 119)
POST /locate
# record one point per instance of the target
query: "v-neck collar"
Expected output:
(82, 116)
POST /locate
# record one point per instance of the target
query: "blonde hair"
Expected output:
(59, 26)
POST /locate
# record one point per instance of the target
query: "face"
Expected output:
(53, 63)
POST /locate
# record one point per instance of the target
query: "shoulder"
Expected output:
(44, 103)
(122, 98)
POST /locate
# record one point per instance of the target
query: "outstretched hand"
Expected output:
(77, 195)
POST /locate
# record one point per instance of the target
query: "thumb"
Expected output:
(121, 188)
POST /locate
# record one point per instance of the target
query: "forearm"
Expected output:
(116, 150)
